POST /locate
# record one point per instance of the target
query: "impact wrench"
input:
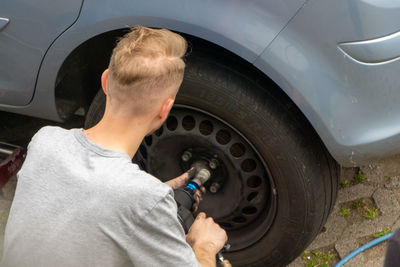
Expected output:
(185, 200)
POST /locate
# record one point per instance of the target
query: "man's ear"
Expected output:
(104, 79)
(165, 108)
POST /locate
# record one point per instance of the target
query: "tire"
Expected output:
(304, 177)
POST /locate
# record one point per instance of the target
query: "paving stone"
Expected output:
(296, 263)
(348, 173)
(8, 189)
(3, 220)
(396, 192)
(368, 227)
(4, 212)
(377, 262)
(386, 202)
(393, 182)
(396, 224)
(5, 204)
(334, 228)
(357, 261)
(355, 192)
(391, 165)
(344, 247)
(374, 252)
(1, 245)
(373, 173)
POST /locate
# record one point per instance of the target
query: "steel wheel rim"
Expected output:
(250, 214)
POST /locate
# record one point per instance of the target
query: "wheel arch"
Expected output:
(90, 53)
(91, 57)
(77, 81)
(78, 78)
(58, 93)
(69, 75)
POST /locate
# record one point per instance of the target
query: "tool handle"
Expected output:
(185, 200)
(224, 263)
(185, 197)
(220, 258)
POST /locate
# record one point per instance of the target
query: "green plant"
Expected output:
(370, 213)
(316, 258)
(383, 232)
(344, 183)
(344, 212)
(357, 204)
(359, 178)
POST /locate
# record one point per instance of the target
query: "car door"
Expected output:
(27, 29)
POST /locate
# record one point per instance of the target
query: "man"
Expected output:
(79, 199)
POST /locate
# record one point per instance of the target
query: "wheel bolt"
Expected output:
(214, 187)
(213, 164)
(186, 156)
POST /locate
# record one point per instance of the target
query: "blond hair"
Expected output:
(146, 65)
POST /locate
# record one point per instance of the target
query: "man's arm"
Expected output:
(206, 238)
(205, 254)
(158, 239)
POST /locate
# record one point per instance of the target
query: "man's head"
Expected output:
(145, 72)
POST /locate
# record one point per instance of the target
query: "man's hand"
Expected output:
(204, 231)
(206, 239)
(181, 180)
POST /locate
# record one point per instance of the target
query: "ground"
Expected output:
(367, 205)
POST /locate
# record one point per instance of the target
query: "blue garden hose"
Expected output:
(361, 249)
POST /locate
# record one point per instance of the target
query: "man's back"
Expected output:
(78, 204)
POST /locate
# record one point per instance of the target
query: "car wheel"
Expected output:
(274, 182)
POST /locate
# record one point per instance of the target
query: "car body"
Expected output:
(337, 60)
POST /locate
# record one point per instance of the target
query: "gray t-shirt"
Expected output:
(78, 204)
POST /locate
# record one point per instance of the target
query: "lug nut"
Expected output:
(202, 176)
(186, 156)
(214, 187)
(213, 164)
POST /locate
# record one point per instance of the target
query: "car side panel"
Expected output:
(243, 27)
(32, 27)
(342, 97)
(339, 63)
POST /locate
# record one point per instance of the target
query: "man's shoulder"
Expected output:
(141, 191)
(49, 132)
(47, 140)
(142, 182)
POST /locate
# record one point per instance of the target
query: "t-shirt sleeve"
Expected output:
(159, 239)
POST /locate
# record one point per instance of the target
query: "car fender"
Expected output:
(234, 26)
(343, 74)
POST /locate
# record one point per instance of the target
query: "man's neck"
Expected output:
(118, 134)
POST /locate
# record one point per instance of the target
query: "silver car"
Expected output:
(276, 95)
